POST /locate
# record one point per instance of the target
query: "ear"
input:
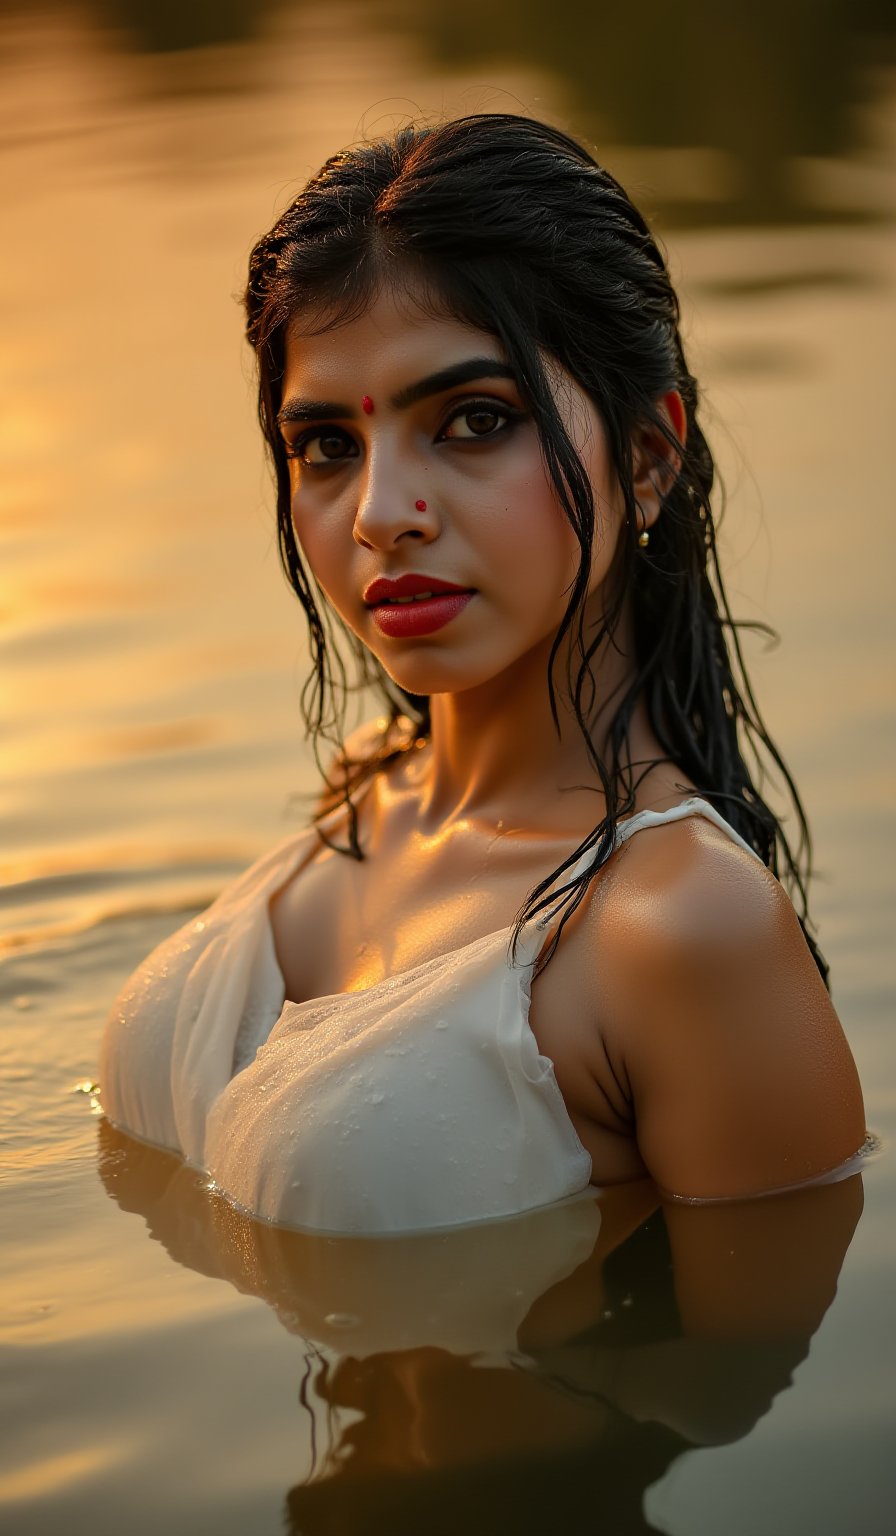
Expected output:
(656, 461)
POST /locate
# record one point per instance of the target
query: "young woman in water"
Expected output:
(542, 932)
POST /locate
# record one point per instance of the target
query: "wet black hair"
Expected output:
(513, 227)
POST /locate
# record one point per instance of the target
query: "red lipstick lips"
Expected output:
(414, 605)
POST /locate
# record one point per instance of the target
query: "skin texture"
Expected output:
(691, 1035)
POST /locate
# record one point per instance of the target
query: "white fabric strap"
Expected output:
(536, 934)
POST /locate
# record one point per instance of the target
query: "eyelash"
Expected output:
(296, 449)
(510, 415)
(488, 408)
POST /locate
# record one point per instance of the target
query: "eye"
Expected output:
(479, 419)
(322, 446)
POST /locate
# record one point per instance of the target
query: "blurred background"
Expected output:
(152, 656)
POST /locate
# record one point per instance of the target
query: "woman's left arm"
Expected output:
(740, 1074)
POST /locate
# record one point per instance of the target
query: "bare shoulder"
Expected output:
(740, 1075)
(686, 883)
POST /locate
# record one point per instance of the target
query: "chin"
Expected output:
(428, 676)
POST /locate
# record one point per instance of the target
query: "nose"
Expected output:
(391, 510)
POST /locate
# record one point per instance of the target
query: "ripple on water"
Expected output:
(58, 902)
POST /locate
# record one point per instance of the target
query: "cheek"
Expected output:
(541, 544)
(324, 565)
(316, 535)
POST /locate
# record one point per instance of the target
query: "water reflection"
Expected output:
(738, 105)
(752, 87)
(526, 1372)
(169, 26)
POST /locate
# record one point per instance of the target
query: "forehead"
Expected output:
(397, 335)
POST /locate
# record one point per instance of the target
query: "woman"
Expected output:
(470, 989)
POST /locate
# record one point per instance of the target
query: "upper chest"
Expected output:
(344, 926)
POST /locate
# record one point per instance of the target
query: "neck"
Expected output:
(497, 754)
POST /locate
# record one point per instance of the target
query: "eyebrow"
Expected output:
(297, 409)
(449, 378)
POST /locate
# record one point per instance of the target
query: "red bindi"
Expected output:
(367, 406)
(420, 505)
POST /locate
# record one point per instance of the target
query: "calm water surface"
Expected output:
(604, 1366)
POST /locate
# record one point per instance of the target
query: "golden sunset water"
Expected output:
(165, 1366)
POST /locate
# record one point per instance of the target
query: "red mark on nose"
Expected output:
(420, 505)
(367, 406)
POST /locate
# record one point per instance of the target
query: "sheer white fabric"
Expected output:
(422, 1102)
